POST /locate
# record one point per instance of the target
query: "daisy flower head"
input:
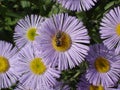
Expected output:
(83, 84)
(78, 5)
(110, 29)
(57, 86)
(63, 41)
(60, 86)
(104, 66)
(8, 76)
(25, 30)
(22, 87)
(34, 71)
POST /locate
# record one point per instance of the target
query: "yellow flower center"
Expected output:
(37, 66)
(96, 87)
(61, 41)
(31, 33)
(118, 29)
(102, 65)
(4, 64)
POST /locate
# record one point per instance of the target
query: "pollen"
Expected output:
(31, 33)
(102, 65)
(118, 29)
(4, 64)
(96, 87)
(37, 66)
(61, 42)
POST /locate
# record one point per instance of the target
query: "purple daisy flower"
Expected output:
(79, 5)
(8, 75)
(83, 84)
(57, 86)
(63, 41)
(104, 66)
(25, 31)
(60, 86)
(22, 87)
(110, 29)
(34, 71)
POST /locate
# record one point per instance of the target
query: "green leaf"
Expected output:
(25, 4)
(109, 5)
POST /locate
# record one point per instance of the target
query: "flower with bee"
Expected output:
(63, 41)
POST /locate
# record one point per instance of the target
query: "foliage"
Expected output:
(12, 10)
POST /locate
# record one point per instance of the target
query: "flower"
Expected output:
(34, 72)
(83, 84)
(22, 87)
(8, 75)
(63, 41)
(25, 30)
(57, 86)
(104, 66)
(60, 86)
(79, 5)
(110, 29)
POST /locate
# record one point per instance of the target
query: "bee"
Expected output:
(59, 37)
